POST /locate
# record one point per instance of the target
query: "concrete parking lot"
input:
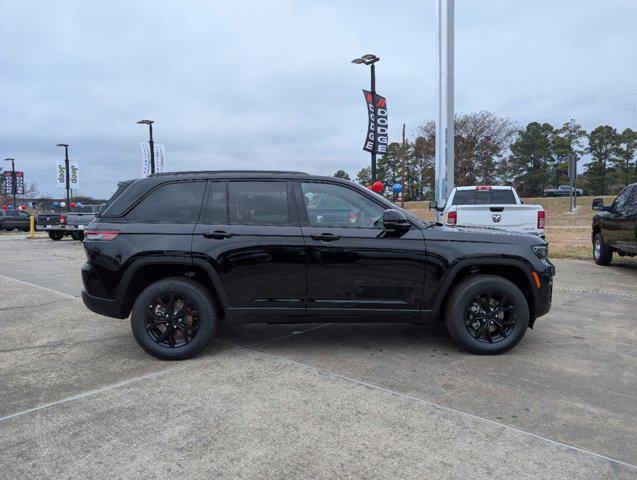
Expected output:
(80, 399)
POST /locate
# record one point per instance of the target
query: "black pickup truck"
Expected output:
(615, 227)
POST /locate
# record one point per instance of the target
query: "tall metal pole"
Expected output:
(373, 89)
(152, 149)
(68, 178)
(13, 185)
(444, 168)
(402, 190)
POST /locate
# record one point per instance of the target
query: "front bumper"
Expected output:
(545, 290)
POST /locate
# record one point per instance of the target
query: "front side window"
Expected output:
(338, 206)
(622, 200)
(258, 203)
(171, 203)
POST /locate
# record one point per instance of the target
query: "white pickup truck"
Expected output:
(496, 207)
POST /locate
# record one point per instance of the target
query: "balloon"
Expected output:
(4, 207)
(10, 207)
(72, 204)
(62, 204)
(23, 207)
(56, 204)
(377, 187)
(369, 187)
(79, 204)
(397, 188)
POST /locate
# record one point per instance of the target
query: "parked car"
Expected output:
(47, 219)
(615, 227)
(562, 191)
(180, 252)
(72, 223)
(491, 206)
(14, 220)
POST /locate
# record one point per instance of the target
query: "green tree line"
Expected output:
(492, 150)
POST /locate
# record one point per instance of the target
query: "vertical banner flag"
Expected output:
(160, 158)
(19, 183)
(8, 183)
(377, 125)
(60, 174)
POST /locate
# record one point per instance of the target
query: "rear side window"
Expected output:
(483, 197)
(171, 203)
(258, 203)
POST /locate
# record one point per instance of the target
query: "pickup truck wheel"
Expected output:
(53, 235)
(602, 253)
(487, 315)
(174, 318)
(77, 236)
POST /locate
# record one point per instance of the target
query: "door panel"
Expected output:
(354, 266)
(262, 267)
(361, 271)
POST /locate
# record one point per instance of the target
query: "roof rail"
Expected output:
(286, 172)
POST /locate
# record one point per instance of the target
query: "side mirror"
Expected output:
(433, 206)
(395, 221)
(598, 204)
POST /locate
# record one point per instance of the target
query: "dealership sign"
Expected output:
(60, 174)
(377, 126)
(160, 158)
(19, 183)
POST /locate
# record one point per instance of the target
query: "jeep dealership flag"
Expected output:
(160, 158)
(60, 174)
(377, 123)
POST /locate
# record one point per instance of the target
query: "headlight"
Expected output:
(541, 251)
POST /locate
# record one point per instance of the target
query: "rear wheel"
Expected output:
(174, 318)
(77, 236)
(602, 253)
(487, 315)
(54, 235)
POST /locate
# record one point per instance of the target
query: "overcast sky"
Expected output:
(269, 85)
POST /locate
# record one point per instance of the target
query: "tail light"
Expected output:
(62, 219)
(541, 217)
(452, 218)
(483, 188)
(102, 235)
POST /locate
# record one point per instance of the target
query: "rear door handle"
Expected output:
(326, 237)
(217, 235)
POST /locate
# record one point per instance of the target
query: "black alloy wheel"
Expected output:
(487, 314)
(174, 318)
(490, 316)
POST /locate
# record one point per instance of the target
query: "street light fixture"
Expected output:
(370, 59)
(68, 175)
(152, 148)
(13, 185)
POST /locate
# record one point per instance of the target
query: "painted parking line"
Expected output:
(11, 279)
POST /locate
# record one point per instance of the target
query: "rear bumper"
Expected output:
(102, 306)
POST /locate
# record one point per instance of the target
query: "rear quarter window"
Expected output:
(177, 202)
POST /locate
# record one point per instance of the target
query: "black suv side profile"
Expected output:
(180, 252)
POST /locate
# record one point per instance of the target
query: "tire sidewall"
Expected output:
(605, 254)
(203, 303)
(456, 315)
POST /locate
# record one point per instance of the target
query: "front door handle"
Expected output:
(326, 237)
(217, 235)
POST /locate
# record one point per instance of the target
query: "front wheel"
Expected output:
(77, 236)
(55, 235)
(602, 253)
(487, 315)
(174, 318)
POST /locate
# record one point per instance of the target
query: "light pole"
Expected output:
(152, 148)
(13, 186)
(68, 177)
(370, 60)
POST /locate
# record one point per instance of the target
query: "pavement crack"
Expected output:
(21, 307)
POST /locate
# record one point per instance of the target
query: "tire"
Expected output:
(186, 291)
(602, 253)
(77, 236)
(54, 235)
(486, 336)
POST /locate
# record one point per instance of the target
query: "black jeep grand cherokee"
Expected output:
(180, 252)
